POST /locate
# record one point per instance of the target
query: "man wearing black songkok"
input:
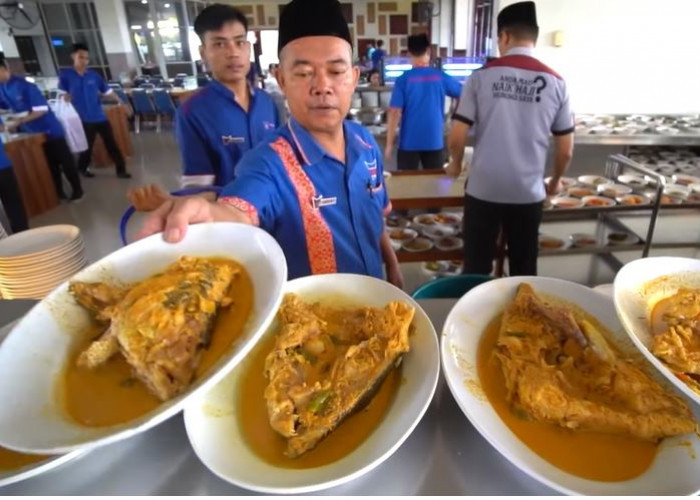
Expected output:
(517, 103)
(316, 184)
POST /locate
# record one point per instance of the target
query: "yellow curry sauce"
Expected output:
(270, 446)
(110, 394)
(590, 455)
(11, 460)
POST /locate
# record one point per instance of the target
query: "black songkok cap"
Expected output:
(301, 18)
(521, 13)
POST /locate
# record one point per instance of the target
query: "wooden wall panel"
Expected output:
(371, 13)
(382, 25)
(260, 10)
(394, 46)
(387, 6)
(246, 9)
(360, 24)
(398, 25)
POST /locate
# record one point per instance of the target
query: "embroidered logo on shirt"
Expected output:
(268, 125)
(372, 169)
(229, 139)
(319, 201)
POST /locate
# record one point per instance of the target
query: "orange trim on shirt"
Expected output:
(242, 205)
(319, 239)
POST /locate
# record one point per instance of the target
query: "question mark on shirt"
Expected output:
(541, 87)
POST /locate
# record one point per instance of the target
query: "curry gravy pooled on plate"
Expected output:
(570, 395)
(303, 391)
(153, 338)
(675, 325)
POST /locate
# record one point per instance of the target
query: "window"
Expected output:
(164, 29)
(74, 22)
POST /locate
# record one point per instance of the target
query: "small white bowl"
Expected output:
(438, 232)
(566, 202)
(449, 243)
(582, 240)
(685, 180)
(677, 191)
(419, 244)
(634, 181)
(593, 180)
(613, 190)
(598, 201)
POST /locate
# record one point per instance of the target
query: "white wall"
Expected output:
(111, 17)
(624, 56)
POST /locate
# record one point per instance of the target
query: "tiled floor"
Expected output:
(156, 159)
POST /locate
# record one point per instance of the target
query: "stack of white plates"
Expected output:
(34, 262)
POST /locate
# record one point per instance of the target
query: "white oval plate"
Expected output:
(635, 299)
(35, 352)
(673, 472)
(212, 422)
(8, 477)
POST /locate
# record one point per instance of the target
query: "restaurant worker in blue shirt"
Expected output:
(316, 184)
(418, 102)
(10, 196)
(516, 104)
(85, 88)
(221, 122)
(19, 95)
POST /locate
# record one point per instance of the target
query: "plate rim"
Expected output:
(522, 465)
(124, 431)
(194, 406)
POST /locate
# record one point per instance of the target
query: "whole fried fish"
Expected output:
(160, 325)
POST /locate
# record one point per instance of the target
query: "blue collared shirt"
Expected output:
(350, 198)
(420, 94)
(86, 92)
(214, 131)
(19, 95)
(4, 160)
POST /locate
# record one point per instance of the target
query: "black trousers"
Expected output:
(105, 131)
(482, 223)
(12, 200)
(61, 159)
(412, 160)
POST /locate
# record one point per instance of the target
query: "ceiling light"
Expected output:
(144, 2)
(167, 5)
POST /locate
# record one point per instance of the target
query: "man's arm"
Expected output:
(462, 120)
(563, 153)
(393, 270)
(392, 124)
(456, 143)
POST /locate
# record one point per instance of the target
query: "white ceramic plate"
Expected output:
(635, 181)
(212, 423)
(635, 299)
(613, 190)
(31, 417)
(34, 242)
(8, 477)
(605, 202)
(593, 180)
(425, 244)
(685, 180)
(625, 200)
(565, 202)
(673, 472)
(448, 244)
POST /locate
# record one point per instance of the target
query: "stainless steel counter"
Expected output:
(637, 140)
(445, 455)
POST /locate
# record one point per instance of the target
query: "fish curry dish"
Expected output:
(567, 392)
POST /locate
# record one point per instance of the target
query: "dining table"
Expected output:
(119, 121)
(444, 455)
(26, 153)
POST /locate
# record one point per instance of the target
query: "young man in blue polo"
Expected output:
(10, 195)
(316, 184)
(220, 123)
(85, 89)
(19, 95)
(418, 103)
